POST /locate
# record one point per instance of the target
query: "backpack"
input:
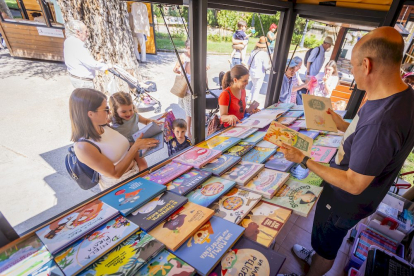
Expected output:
(86, 177)
(308, 54)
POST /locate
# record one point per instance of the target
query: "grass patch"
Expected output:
(12, 4)
(408, 167)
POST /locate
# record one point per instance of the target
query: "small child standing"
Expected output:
(180, 141)
(239, 49)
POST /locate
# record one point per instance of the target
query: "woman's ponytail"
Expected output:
(226, 80)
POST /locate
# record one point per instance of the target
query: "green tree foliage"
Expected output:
(267, 20)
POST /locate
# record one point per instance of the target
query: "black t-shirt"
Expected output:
(376, 143)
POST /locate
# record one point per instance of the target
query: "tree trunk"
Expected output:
(110, 37)
(5, 9)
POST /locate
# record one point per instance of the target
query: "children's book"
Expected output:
(241, 148)
(269, 113)
(78, 256)
(152, 130)
(133, 195)
(188, 182)
(267, 182)
(243, 172)
(167, 173)
(258, 155)
(221, 164)
(158, 209)
(248, 133)
(255, 138)
(210, 191)
(278, 162)
(178, 227)
(234, 205)
(312, 134)
(266, 144)
(297, 196)
(247, 256)
(339, 133)
(264, 129)
(322, 154)
(207, 246)
(235, 132)
(297, 107)
(278, 132)
(331, 141)
(294, 128)
(316, 113)
(166, 264)
(64, 231)
(257, 122)
(294, 114)
(286, 106)
(220, 143)
(168, 125)
(128, 257)
(197, 157)
(286, 120)
(299, 174)
(48, 269)
(301, 124)
(264, 222)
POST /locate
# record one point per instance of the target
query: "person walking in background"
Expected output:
(327, 80)
(317, 57)
(271, 37)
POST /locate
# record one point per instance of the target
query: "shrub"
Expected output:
(312, 42)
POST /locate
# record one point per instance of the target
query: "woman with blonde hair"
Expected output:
(327, 80)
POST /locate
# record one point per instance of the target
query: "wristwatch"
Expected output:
(303, 163)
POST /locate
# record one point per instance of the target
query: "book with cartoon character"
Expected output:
(267, 182)
(221, 164)
(76, 257)
(293, 113)
(237, 132)
(188, 182)
(297, 196)
(64, 231)
(264, 222)
(247, 255)
(286, 120)
(167, 173)
(299, 174)
(178, 227)
(168, 122)
(220, 143)
(210, 191)
(158, 209)
(286, 106)
(257, 122)
(240, 149)
(278, 162)
(255, 137)
(209, 243)
(322, 154)
(234, 205)
(258, 155)
(331, 141)
(310, 133)
(197, 157)
(126, 258)
(166, 264)
(243, 172)
(316, 113)
(133, 195)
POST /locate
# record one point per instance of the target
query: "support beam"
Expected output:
(393, 13)
(338, 44)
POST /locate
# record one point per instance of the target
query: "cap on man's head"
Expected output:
(329, 40)
(291, 63)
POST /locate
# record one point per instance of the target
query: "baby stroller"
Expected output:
(212, 95)
(142, 100)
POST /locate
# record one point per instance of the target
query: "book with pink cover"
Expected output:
(197, 157)
(257, 122)
(301, 124)
(322, 154)
(286, 120)
(168, 173)
(236, 132)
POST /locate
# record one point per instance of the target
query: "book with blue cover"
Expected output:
(294, 114)
(188, 182)
(241, 148)
(221, 164)
(248, 133)
(331, 141)
(243, 172)
(310, 133)
(210, 191)
(255, 137)
(206, 247)
(220, 143)
(278, 162)
(258, 155)
(166, 264)
(167, 173)
(133, 195)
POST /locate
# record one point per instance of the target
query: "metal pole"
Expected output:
(305, 30)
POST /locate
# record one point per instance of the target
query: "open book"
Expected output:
(152, 130)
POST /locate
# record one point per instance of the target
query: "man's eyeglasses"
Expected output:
(106, 109)
(241, 110)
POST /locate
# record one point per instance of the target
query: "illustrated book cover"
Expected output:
(236, 204)
(264, 222)
(221, 164)
(286, 106)
(210, 191)
(243, 172)
(255, 137)
(168, 118)
(267, 182)
(178, 227)
(299, 174)
(266, 144)
(236, 132)
(197, 157)
(64, 231)
(188, 182)
(248, 133)
(167, 173)
(301, 124)
(297, 108)
(274, 113)
(152, 130)
(133, 195)
(293, 113)
(331, 141)
(240, 149)
(278, 162)
(286, 120)
(48, 269)
(94, 245)
(220, 143)
(128, 257)
(316, 113)
(157, 210)
(257, 122)
(206, 247)
(322, 154)
(310, 133)
(258, 155)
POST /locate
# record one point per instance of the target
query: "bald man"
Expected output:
(373, 149)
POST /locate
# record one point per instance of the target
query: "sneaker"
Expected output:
(303, 253)
(291, 274)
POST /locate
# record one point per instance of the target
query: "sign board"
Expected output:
(50, 32)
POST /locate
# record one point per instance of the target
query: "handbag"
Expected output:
(180, 86)
(215, 124)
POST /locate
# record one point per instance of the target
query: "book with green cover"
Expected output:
(267, 182)
(240, 149)
(166, 264)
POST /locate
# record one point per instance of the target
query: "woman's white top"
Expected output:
(260, 62)
(320, 89)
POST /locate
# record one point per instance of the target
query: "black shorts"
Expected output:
(328, 231)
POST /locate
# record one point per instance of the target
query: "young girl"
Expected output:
(125, 120)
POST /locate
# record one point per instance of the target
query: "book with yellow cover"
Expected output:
(220, 143)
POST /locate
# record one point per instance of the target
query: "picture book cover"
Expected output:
(167, 173)
(286, 120)
(249, 258)
(258, 155)
(310, 133)
(294, 114)
(297, 196)
(241, 148)
(197, 157)
(235, 132)
(220, 143)
(266, 144)
(299, 174)
(278, 162)
(301, 124)
(316, 113)
(234, 205)
(266, 112)
(133, 195)
(32, 264)
(128, 257)
(248, 133)
(267, 182)
(94, 245)
(168, 118)
(206, 247)
(210, 191)
(257, 122)
(286, 106)
(297, 107)
(338, 133)
(221, 164)
(178, 227)
(331, 141)
(159, 136)
(278, 132)
(64, 231)
(264, 222)
(157, 210)
(166, 264)
(243, 172)
(264, 129)
(255, 138)
(188, 182)
(322, 154)
(48, 269)
(152, 130)
(294, 128)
